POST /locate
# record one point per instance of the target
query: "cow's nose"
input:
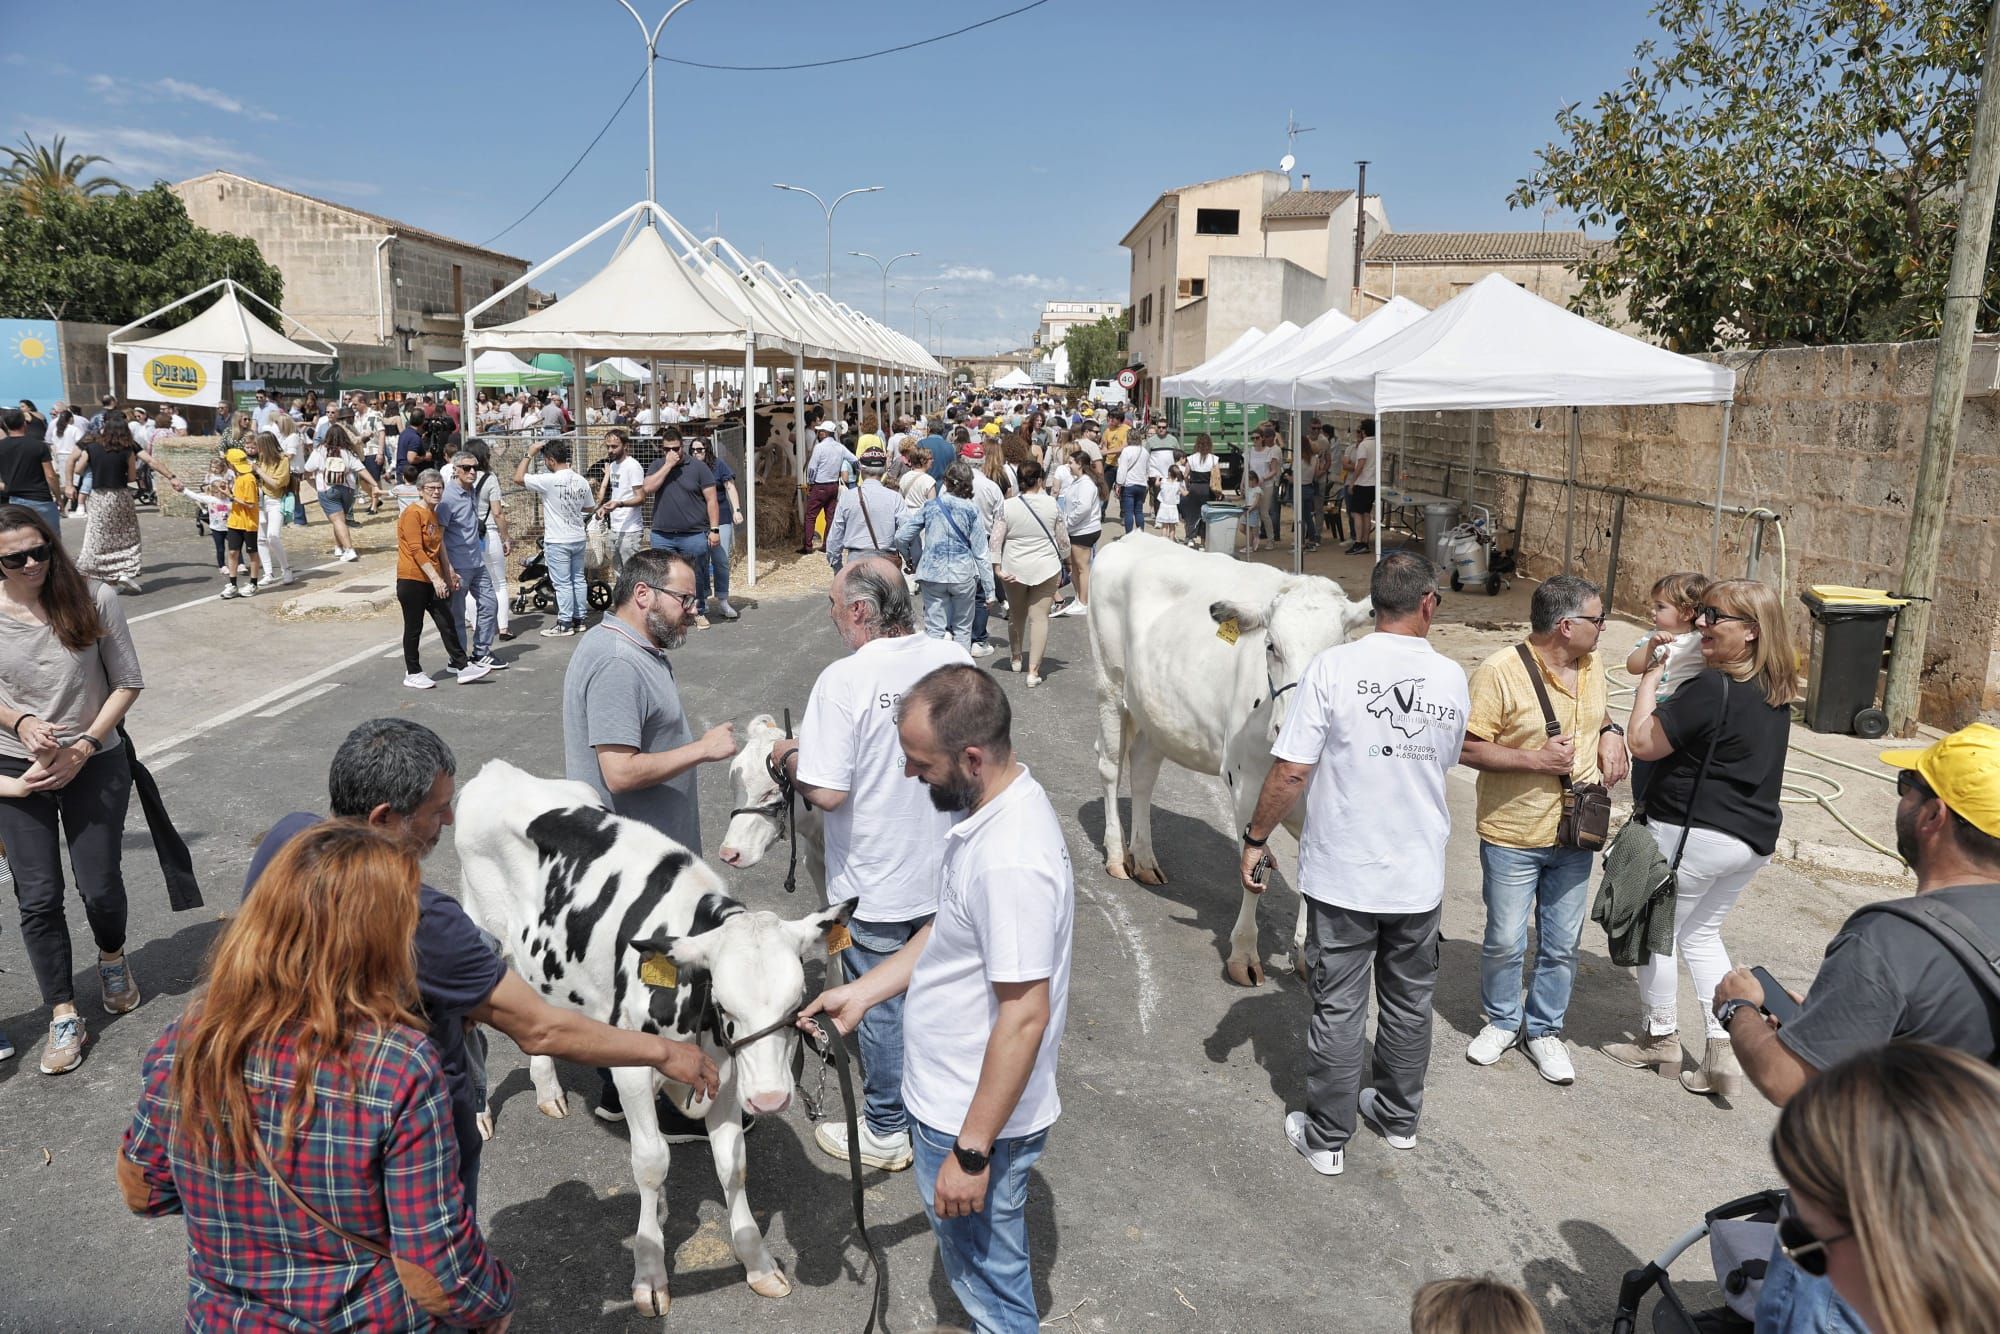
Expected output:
(768, 1104)
(730, 856)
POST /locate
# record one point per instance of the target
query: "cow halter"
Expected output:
(779, 807)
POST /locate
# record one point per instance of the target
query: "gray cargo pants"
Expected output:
(1343, 948)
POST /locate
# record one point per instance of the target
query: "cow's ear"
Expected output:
(1246, 616)
(695, 951)
(764, 725)
(812, 932)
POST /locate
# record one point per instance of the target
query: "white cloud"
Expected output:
(210, 97)
(965, 273)
(138, 156)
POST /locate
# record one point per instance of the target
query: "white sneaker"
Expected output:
(1326, 1162)
(891, 1153)
(982, 650)
(1551, 1059)
(1369, 1104)
(1491, 1044)
(250, 589)
(289, 578)
(418, 681)
(349, 554)
(471, 672)
(230, 591)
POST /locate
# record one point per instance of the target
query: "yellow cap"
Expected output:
(1964, 770)
(991, 428)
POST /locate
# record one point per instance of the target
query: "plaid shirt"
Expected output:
(378, 1158)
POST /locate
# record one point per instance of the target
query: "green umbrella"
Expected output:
(553, 361)
(395, 379)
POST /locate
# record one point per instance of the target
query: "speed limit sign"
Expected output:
(1127, 378)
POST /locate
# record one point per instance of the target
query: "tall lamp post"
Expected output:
(941, 322)
(915, 310)
(884, 266)
(828, 210)
(652, 36)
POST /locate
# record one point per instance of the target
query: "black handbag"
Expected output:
(1586, 807)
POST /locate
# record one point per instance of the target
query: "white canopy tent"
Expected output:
(227, 329)
(1276, 381)
(1015, 379)
(621, 370)
(1171, 387)
(1497, 345)
(1203, 380)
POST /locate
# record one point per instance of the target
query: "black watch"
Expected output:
(1250, 842)
(971, 1161)
(1612, 728)
(1727, 1010)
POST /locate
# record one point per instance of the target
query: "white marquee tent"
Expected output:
(1171, 387)
(227, 330)
(1015, 379)
(1205, 380)
(1276, 380)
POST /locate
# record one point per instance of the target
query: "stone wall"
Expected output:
(1826, 437)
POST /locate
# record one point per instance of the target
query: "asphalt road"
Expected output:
(1168, 1198)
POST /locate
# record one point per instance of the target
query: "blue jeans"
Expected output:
(1309, 511)
(718, 561)
(1794, 1302)
(1132, 508)
(45, 510)
(948, 610)
(693, 548)
(566, 573)
(881, 1030)
(985, 1254)
(475, 582)
(1554, 884)
(979, 615)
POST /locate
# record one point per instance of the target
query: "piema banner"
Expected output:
(174, 377)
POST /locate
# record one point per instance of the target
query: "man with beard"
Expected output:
(987, 986)
(624, 731)
(1885, 977)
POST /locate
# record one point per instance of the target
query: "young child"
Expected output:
(1673, 641)
(1253, 504)
(1482, 1305)
(211, 514)
(1167, 512)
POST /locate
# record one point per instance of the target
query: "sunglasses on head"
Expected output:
(38, 554)
(1801, 1247)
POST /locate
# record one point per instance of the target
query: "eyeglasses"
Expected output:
(1597, 621)
(1801, 1247)
(688, 601)
(38, 554)
(1710, 615)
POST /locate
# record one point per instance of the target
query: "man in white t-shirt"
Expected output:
(1266, 460)
(884, 837)
(618, 495)
(1364, 458)
(1374, 727)
(987, 987)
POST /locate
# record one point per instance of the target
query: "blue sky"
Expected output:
(1013, 157)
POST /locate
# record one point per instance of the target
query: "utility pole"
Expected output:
(1961, 310)
(1360, 236)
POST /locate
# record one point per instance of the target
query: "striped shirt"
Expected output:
(378, 1158)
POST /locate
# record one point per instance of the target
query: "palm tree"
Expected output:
(38, 172)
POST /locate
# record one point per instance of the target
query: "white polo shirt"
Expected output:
(1383, 718)
(885, 843)
(1004, 914)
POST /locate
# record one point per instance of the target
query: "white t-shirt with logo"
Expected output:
(884, 844)
(566, 503)
(1004, 914)
(1383, 718)
(626, 476)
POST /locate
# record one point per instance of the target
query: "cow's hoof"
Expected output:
(485, 1120)
(557, 1107)
(1119, 870)
(650, 1300)
(773, 1284)
(1149, 875)
(1246, 972)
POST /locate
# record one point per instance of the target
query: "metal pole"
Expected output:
(1569, 489)
(1298, 493)
(652, 58)
(1617, 537)
(1360, 243)
(1721, 477)
(749, 518)
(1378, 485)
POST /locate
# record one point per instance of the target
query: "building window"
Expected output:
(1194, 288)
(1146, 309)
(458, 288)
(1216, 221)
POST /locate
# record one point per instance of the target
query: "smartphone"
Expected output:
(1778, 1002)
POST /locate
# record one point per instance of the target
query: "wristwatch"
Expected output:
(1613, 728)
(1250, 842)
(1727, 1010)
(971, 1161)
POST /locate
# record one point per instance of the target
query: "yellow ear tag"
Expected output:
(657, 970)
(837, 938)
(1228, 631)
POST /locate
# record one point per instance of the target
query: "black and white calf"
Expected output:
(580, 898)
(757, 820)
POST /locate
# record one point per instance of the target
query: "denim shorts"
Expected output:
(336, 499)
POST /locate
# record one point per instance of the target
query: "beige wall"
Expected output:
(1165, 249)
(1431, 285)
(1300, 240)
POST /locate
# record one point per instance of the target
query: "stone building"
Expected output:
(1430, 268)
(1290, 252)
(386, 293)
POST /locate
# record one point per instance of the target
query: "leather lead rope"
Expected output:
(878, 1309)
(791, 822)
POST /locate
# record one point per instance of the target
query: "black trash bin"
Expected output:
(1849, 635)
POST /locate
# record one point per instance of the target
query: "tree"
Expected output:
(1096, 351)
(1777, 171)
(113, 258)
(38, 173)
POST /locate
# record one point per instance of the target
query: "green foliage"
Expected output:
(41, 172)
(1777, 171)
(112, 258)
(1094, 351)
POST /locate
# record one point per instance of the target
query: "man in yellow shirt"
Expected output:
(1115, 436)
(1520, 802)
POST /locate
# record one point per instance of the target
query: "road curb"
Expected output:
(366, 593)
(1842, 860)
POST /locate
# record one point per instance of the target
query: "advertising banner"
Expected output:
(287, 380)
(30, 363)
(174, 377)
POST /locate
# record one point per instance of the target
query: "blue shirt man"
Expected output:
(942, 455)
(465, 548)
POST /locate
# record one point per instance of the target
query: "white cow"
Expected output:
(579, 898)
(1173, 685)
(757, 818)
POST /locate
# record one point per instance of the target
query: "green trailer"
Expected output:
(1227, 422)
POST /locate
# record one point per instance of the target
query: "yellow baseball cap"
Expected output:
(991, 428)
(238, 460)
(1964, 770)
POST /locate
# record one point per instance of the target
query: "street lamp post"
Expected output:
(941, 323)
(914, 309)
(828, 209)
(652, 37)
(884, 265)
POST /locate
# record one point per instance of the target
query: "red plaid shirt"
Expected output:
(378, 1158)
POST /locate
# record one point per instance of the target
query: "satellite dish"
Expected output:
(1286, 162)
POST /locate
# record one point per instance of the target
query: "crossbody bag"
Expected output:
(1586, 807)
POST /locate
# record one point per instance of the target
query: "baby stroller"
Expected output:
(1739, 1235)
(537, 590)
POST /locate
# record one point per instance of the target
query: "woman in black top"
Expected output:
(111, 539)
(1736, 716)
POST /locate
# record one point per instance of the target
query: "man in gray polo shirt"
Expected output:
(624, 731)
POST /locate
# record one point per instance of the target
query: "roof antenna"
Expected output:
(1292, 132)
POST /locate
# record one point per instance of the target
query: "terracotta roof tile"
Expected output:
(1307, 203)
(1479, 247)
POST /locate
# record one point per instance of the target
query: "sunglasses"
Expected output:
(38, 554)
(1801, 1247)
(1710, 615)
